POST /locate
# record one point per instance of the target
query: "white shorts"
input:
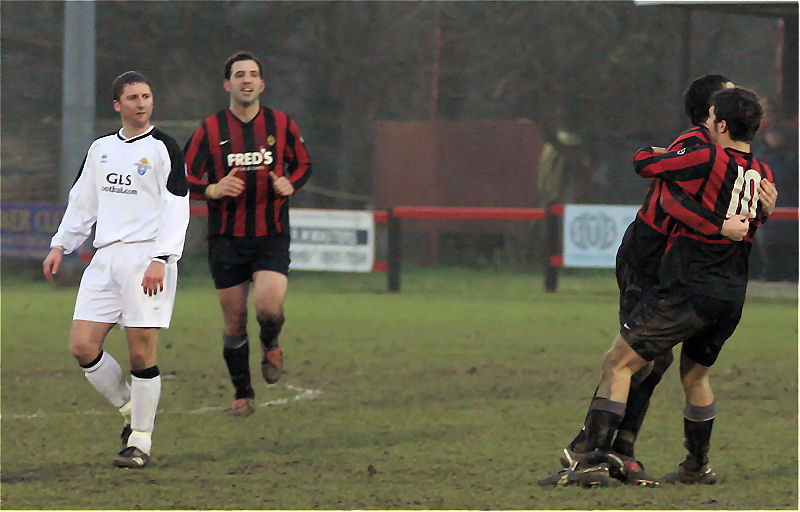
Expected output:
(111, 288)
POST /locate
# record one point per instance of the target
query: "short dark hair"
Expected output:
(697, 98)
(742, 111)
(128, 77)
(236, 57)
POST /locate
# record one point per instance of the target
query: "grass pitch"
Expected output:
(456, 393)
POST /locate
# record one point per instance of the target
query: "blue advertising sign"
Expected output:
(26, 228)
(593, 232)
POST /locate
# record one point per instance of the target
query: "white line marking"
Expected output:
(301, 394)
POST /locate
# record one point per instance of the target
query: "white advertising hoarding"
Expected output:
(592, 233)
(336, 240)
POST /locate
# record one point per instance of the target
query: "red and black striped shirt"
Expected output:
(723, 181)
(646, 238)
(270, 142)
(684, 209)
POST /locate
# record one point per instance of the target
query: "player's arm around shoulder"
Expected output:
(687, 163)
(644, 157)
(682, 205)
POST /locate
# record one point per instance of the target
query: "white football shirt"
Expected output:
(135, 190)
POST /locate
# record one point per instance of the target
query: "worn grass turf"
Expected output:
(456, 393)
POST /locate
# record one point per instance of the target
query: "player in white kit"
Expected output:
(132, 185)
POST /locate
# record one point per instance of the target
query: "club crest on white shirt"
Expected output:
(142, 166)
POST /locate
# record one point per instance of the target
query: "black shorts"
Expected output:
(233, 260)
(667, 317)
(638, 259)
(633, 285)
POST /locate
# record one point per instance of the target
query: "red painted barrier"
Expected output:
(784, 214)
(552, 216)
(459, 213)
(198, 210)
(462, 213)
(381, 216)
(395, 214)
(392, 267)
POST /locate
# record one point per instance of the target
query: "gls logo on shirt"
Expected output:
(118, 179)
(255, 158)
(119, 184)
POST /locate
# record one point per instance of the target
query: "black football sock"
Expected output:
(624, 442)
(697, 425)
(604, 418)
(270, 329)
(637, 405)
(579, 443)
(237, 358)
(635, 411)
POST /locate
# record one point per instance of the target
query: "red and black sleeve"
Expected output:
(296, 156)
(688, 165)
(695, 136)
(681, 206)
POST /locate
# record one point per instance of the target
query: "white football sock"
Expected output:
(145, 394)
(125, 411)
(107, 378)
(141, 440)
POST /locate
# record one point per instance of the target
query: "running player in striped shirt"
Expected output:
(247, 161)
